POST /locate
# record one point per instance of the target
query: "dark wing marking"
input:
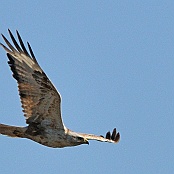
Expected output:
(40, 100)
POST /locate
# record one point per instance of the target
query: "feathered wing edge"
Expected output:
(19, 50)
(111, 138)
(12, 131)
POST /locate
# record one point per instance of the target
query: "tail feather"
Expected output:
(12, 131)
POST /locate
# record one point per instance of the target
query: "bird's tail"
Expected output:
(12, 131)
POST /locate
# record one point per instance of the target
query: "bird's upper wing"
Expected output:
(40, 100)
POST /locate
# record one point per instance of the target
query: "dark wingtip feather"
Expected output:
(2, 35)
(5, 39)
(14, 41)
(108, 135)
(22, 44)
(113, 134)
(114, 137)
(117, 138)
(8, 43)
(31, 52)
(9, 31)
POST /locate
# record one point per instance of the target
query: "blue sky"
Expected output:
(113, 63)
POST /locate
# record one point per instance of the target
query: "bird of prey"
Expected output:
(41, 103)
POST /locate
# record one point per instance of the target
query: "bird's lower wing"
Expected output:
(114, 138)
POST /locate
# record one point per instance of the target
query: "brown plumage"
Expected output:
(41, 103)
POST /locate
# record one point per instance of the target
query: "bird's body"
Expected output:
(41, 103)
(46, 136)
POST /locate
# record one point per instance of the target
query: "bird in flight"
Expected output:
(41, 103)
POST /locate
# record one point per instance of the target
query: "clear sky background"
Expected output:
(113, 63)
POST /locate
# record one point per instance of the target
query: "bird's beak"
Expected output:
(86, 141)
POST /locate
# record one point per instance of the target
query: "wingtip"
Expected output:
(9, 31)
(108, 135)
(117, 138)
(1, 44)
(114, 137)
(17, 32)
(11, 35)
(2, 36)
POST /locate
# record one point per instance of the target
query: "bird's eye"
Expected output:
(80, 138)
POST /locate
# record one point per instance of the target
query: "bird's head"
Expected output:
(82, 140)
(76, 139)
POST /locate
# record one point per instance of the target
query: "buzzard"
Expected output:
(41, 103)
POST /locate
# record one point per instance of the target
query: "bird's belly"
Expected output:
(51, 138)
